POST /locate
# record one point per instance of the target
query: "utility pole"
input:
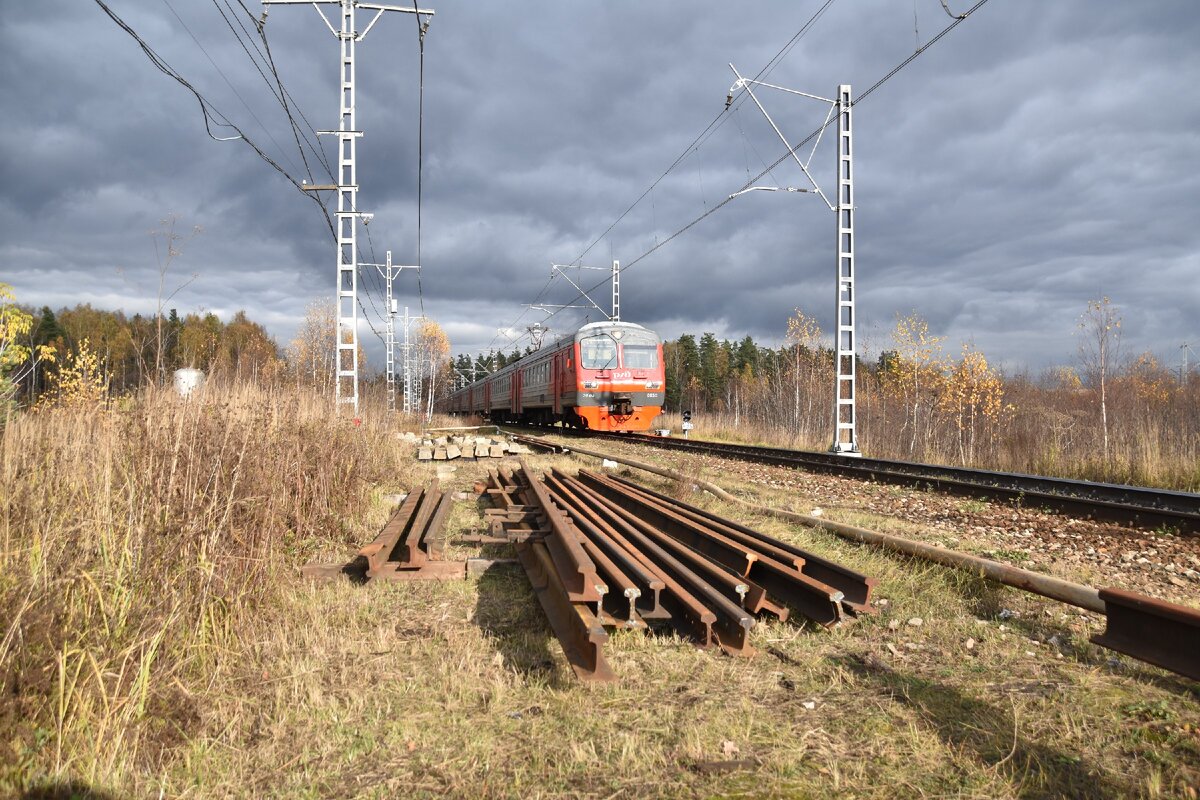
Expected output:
(348, 215)
(407, 353)
(616, 287)
(1183, 368)
(845, 437)
(845, 410)
(389, 271)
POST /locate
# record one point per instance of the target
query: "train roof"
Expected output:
(610, 325)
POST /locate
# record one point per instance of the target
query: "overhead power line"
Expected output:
(711, 128)
(228, 82)
(786, 155)
(212, 115)
(277, 89)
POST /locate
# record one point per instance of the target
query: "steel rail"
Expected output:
(1155, 631)
(781, 581)
(1121, 503)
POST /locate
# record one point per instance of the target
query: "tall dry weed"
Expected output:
(139, 549)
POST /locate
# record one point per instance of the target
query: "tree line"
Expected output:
(87, 354)
(134, 350)
(1106, 415)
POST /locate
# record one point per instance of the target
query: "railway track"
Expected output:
(1126, 505)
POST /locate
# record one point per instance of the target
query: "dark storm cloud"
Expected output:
(1041, 154)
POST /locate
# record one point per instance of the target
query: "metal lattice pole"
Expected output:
(346, 295)
(390, 306)
(845, 435)
(407, 356)
(616, 289)
(845, 410)
(389, 272)
(346, 380)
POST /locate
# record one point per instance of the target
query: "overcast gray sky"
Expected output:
(1039, 155)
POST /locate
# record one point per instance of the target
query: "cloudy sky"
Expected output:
(1039, 155)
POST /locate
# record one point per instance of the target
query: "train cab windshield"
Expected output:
(633, 350)
(598, 352)
(640, 356)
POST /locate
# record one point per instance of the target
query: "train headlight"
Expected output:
(590, 384)
(653, 384)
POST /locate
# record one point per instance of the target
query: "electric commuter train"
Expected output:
(607, 376)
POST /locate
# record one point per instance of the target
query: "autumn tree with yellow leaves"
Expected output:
(914, 374)
(973, 398)
(811, 368)
(79, 381)
(433, 369)
(17, 359)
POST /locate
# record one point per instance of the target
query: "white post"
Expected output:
(346, 381)
(616, 289)
(845, 436)
(408, 403)
(390, 334)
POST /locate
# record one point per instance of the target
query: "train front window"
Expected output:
(598, 352)
(640, 356)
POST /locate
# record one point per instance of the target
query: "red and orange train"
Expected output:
(608, 376)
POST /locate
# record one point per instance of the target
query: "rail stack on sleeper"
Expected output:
(603, 552)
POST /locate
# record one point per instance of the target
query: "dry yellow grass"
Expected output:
(158, 641)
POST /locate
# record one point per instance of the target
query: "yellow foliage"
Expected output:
(918, 361)
(14, 323)
(973, 397)
(433, 340)
(804, 331)
(1067, 378)
(78, 382)
(1151, 384)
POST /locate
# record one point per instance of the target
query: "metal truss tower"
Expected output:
(845, 409)
(845, 436)
(560, 269)
(389, 271)
(406, 354)
(348, 216)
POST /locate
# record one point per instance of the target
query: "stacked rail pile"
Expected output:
(410, 546)
(603, 553)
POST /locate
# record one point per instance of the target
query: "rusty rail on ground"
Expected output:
(1148, 629)
(410, 546)
(603, 553)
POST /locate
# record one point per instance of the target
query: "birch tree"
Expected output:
(1099, 332)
